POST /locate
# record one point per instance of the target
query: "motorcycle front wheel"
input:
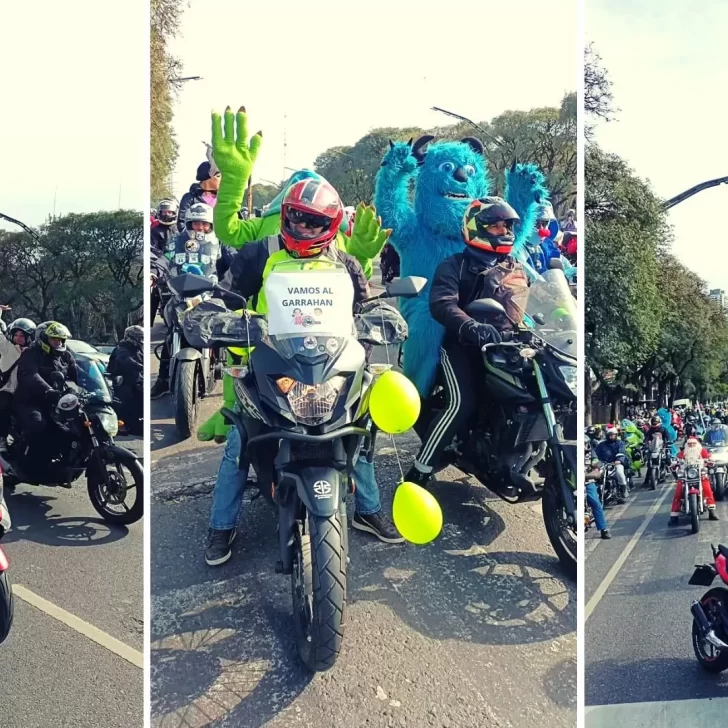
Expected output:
(653, 478)
(719, 486)
(560, 532)
(7, 606)
(318, 586)
(110, 488)
(186, 398)
(712, 659)
(694, 515)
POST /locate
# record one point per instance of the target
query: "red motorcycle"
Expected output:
(710, 614)
(6, 592)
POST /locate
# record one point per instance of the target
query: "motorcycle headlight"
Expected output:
(691, 472)
(311, 404)
(110, 422)
(570, 377)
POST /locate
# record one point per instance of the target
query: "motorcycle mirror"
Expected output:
(539, 319)
(407, 287)
(485, 306)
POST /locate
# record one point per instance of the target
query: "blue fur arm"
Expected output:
(523, 186)
(391, 193)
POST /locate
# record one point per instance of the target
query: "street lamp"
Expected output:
(184, 79)
(495, 140)
(694, 191)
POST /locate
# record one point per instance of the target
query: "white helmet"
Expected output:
(199, 212)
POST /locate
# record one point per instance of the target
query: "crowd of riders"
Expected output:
(309, 227)
(685, 430)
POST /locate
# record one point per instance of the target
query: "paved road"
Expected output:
(640, 665)
(61, 550)
(474, 630)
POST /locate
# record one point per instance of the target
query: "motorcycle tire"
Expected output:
(719, 487)
(653, 479)
(318, 589)
(7, 606)
(694, 515)
(95, 485)
(186, 398)
(563, 541)
(713, 601)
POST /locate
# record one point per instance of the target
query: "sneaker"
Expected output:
(159, 389)
(417, 477)
(712, 515)
(672, 521)
(379, 525)
(606, 535)
(218, 548)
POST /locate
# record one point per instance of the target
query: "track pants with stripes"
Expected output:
(459, 367)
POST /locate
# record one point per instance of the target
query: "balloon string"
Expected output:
(399, 462)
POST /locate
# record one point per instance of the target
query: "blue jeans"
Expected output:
(227, 498)
(592, 498)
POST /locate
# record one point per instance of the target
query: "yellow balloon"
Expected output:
(416, 513)
(394, 403)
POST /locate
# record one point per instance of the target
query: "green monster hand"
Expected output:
(216, 428)
(233, 155)
(367, 237)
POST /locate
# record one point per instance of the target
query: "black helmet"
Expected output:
(591, 431)
(480, 216)
(52, 330)
(167, 212)
(655, 420)
(134, 335)
(25, 325)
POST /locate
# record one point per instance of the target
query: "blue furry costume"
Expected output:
(447, 178)
(666, 418)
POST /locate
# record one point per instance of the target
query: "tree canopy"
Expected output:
(84, 270)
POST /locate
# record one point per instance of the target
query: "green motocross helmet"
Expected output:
(52, 330)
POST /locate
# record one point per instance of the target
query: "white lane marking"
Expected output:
(129, 654)
(663, 714)
(609, 578)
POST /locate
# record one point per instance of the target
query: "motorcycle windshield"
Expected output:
(92, 380)
(550, 301)
(310, 307)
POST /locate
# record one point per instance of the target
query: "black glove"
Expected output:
(52, 396)
(477, 334)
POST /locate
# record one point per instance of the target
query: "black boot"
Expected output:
(417, 477)
(159, 388)
(219, 549)
(712, 515)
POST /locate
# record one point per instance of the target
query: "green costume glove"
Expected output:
(216, 428)
(234, 157)
(367, 237)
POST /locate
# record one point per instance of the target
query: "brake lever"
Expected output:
(485, 347)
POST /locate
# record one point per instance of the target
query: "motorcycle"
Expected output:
(613, 491)
(655, 462)
(193, 371)
(525, 439)
(6, 590)
(710, 614)
(693, 501)
(84, 426)
(303, 402)
(717, 472)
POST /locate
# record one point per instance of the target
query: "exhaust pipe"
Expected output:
(706, 631)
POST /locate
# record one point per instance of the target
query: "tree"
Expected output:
(165, 19)
(84, 270)
(598, 95)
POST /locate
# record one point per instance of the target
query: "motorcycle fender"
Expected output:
(693, 491)
(122, 453)
(188, 354)
(319, 488)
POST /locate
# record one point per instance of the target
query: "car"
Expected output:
(76, 346)
(104, 348)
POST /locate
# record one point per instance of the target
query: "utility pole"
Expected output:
(55, 195)
(285, 145)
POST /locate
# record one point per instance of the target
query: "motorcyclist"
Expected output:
(613, 450)
(19, 336)
(196, 246)
(203, 190)
(35, 396)
(717, 434)
(483, 270)
(311, 213)
(693, 452)
(594, 474)
(163, 231)
(656, 428)
(127, 362)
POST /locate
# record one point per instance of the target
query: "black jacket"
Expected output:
(161, 236)
(127, 361)
(188, 199)
(457, 283)
(34, 373)
(249, 264)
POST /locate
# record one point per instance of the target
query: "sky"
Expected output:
(669, 66)
(323, 75)
(74, 121)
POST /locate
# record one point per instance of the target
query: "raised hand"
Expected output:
(367, 236)
(233, 154)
